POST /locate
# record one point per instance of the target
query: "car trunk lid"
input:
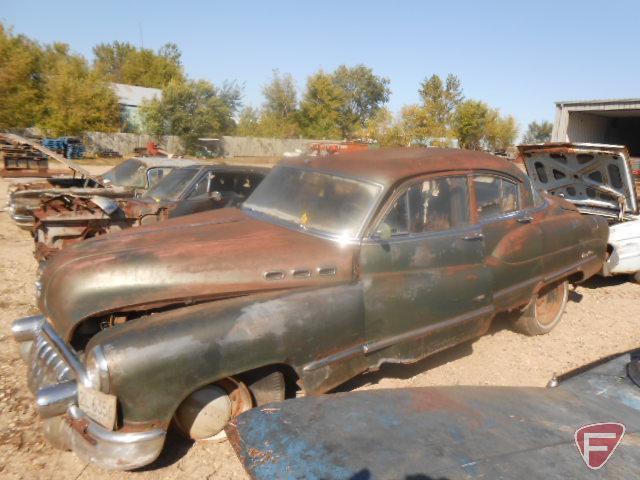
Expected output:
(596, 178)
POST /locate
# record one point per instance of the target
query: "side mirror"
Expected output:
(215, 196)
(384, 232)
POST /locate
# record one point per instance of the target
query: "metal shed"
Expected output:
(614, 121)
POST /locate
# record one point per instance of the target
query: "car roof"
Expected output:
(389, 166)
(164, 162)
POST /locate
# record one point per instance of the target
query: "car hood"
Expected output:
(189, 259)
(596, 178)
(443, 432)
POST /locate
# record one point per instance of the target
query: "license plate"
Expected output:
(99, 407)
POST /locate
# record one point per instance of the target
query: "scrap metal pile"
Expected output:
(22, 159)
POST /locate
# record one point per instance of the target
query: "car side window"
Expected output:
(154, 175)
(398, 217)
(495, 195)
(200, 188)
(430, 205)
(439, 204)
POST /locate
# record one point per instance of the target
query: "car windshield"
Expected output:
(130, 173)
(314, 200)
(171, 186)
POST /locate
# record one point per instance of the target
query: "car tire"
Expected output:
(544, 312)
(202, 414)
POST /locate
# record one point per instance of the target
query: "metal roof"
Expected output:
(597, 102)
(133, 95)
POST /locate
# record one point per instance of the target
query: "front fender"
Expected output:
(154, 362)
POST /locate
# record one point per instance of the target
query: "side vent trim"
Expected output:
(274, 275)
(326, 271)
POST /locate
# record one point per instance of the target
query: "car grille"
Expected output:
(47, 366)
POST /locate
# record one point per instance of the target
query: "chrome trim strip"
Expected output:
(343, 355)
(371, 347)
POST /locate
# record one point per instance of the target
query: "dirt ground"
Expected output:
(602, 318)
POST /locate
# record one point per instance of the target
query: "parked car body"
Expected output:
(457, 432)
(333, 266)
(128, 179)
(599, 181)
(71, 218)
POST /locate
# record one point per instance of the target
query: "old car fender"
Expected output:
(107, 205)
(154, 362)
(624, 239)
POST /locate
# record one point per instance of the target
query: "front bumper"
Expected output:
(54, 371)
(22, 219)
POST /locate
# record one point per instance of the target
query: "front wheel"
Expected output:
(543, 314)
(205, 412)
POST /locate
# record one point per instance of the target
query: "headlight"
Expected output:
(97, 369)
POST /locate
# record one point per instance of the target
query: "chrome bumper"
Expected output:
(54, 370)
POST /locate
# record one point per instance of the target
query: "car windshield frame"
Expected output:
(140, 173)
(178, 189)
(359, 228)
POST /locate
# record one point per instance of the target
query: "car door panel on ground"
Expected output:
(428, 279)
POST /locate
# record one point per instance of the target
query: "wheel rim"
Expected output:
(204, 413)
(549, 304)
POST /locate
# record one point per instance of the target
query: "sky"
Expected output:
(520, 57)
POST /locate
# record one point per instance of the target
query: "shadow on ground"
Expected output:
(599, 282)
(175, 448)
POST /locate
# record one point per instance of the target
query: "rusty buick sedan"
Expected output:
(333, 266)
(125, 180)
(70, 218)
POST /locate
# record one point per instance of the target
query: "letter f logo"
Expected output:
(596, 442)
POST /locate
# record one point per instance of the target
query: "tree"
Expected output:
(122, 62)
(384, 128)
(192, 109)
(279, 111)
(469, 124)
(364, 94)
(321, 107)
(500, 132)
(441, 100)
(538, 132)
(478, 126)
(75, 99)
(248, 122)
(21, 80)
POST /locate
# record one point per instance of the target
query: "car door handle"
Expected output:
(473, 236)
(525, 220)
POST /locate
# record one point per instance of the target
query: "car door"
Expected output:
(513, 239)
(425, 285)
(198, 198)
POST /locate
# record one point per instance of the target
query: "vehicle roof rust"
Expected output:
(389, 166)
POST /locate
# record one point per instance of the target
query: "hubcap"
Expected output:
(549, 303)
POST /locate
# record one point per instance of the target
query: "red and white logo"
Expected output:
(597, 442)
